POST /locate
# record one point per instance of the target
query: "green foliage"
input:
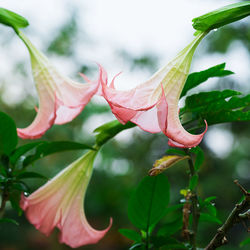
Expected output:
(25, 175)
(109, 130)
(63, 42)
(130, 234)
(8, 134)
(148, 203)
(46, 148)
(220, 17)
(196, 78)
(199, 157)
(22, 150)
(8, 220)
(12, 19)
(209, 218)
(170, 228)
(245, 242)
(209, 210)
(193, 182)
(218, 106)
(175, 151)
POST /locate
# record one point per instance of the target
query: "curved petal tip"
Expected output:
(195, 143)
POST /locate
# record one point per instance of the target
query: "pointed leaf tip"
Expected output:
(166, 162)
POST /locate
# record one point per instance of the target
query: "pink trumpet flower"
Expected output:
(59, 203)
(153, 105)
(60, 98)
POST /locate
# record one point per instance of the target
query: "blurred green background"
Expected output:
(136, 38)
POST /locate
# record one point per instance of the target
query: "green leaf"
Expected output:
(199, 157)
(209, 199)
(47, 148)
(170, 228)
(14, 201)
(18, 152)
(12, 19)
(148, 203)
(204, 100)
(8, 134)
(209, 218)
(218, 107)
(193, 182)
(208, 206)
(211, 209)
(25, 175)
(173, 208)
(21, 186)
(175, 151)
(222, 16)
(9, 221)
(196, 78)
(109, 130)
(130, 234)
(245, 242)
(3, 171)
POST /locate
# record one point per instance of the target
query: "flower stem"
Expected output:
(194, 201)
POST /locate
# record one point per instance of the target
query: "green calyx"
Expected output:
(12, 19)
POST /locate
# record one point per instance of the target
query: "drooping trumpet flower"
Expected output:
(59, 203)
(153, 105)
(60, 98)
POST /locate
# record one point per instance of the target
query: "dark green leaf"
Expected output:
(209, 218)
(12, 19)
(220, 17)
(208, 206)
(130, 234)
(193, 182)
(18, 152)
(3, 171)
(199, 157)
(173, 208)
(209, 199)
(47, 148)
(21, 186)
(170, 228)
(211, 209)
(8, 134)
(245, 242)
(204, 100)
(9, 221)
(196, 78)
(218, 107)
(25, 175)
(109, 130)
(173, 151)
(148, 203)
(15, 200)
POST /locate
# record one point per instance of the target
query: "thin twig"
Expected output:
(234, 218)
